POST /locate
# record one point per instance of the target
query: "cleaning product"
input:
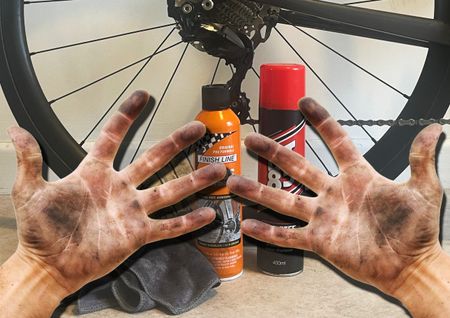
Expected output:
(222, 245)
(281, 87)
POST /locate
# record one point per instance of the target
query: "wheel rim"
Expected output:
(53, 136)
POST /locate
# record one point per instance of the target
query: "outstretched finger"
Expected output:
(176, 190)
(29, 157)
(422, 156)
(161, 154)
(170, 228)
(113, 132)
(337, 139)
(290, 162)
(293, 238)
(276, 199)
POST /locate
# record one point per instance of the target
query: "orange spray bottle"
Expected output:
(223, 244)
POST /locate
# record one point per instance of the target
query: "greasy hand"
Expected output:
(373, 229)
(83, 226)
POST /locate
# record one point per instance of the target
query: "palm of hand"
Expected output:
(374, 233)
(83, 225)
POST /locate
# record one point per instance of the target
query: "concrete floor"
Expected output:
(319, 291)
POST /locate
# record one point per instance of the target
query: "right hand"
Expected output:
(81, 227)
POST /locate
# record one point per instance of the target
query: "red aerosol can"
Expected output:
(281, 88)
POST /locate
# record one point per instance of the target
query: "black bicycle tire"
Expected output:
(25, 96)
(63, 154)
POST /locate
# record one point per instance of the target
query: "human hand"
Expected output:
(373, 229)
(82, 227)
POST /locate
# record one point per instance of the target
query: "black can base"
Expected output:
(277, 261)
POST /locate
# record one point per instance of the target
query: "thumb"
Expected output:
(422, 156)
(29, 157)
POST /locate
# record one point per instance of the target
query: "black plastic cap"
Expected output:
(216, 97)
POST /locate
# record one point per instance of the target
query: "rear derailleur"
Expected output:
(230, 30)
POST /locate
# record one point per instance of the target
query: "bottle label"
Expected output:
(228, 212)
(269, 174)
(210, 139)
(217, 159)
(219, 148)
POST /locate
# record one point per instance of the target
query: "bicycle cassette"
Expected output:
(242, 17)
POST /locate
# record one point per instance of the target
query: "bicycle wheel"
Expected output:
(389, 154)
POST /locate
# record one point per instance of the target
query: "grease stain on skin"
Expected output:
(164, 227)
(135, 205)
(134, 105)
(313, 111)
(260, 144)
(33, 235)
(240, 185)
(424, 235)
(319, 211)
(66, 226)
(176, 225)
(393, 222)
(190, 132)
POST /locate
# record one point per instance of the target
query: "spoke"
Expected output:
(350, 61)
(126, 87)
(44, 1)
(364, 22)
(215, 71)
(252, 121)
(186, 155)
(172, 167)
(114, 73)
(100, 39)
(318, 157)
(160, 102)
(360, 2)
(255, 72)
(231, 68)
(324, 84)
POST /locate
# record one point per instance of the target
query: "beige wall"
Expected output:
(54, 24)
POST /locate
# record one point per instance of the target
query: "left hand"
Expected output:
(375, 230)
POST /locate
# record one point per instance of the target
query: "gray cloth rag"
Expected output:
(175, 277)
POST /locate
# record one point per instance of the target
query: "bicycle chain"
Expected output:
(397, 122)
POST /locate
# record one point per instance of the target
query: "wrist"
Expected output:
(425, 291)
(27, 289)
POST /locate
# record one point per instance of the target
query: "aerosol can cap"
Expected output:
(216, 97)
(281, 86)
